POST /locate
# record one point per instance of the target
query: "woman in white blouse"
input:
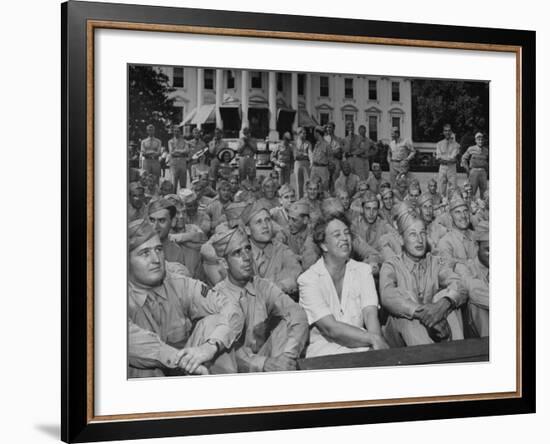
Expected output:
(339, 296)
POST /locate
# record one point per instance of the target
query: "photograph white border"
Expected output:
(114, 394)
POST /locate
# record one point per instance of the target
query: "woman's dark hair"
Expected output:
(320, 227)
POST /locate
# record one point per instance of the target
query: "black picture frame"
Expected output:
(77, 425)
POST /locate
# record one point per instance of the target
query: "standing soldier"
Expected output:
(361, 153)
(337, 152)
(476, 162)
(151, 149)
(401, 152)
(302, 152)
(283, 158)
(179, 155)
(446, 151)
(196, 145)
(320, 158)
(247, 149)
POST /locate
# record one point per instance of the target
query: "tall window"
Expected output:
(230, 80)
(323, 118)
(373, 93)
(396, 122)
(395, 91)
(301, 84)
(256, 80)
(177, 81)
(323, 88)
(373, 128)
(208, 79)
(348, 88)
(279, 82)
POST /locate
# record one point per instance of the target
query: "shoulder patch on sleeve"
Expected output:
(204, 290)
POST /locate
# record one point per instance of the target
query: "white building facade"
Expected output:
(270, 103)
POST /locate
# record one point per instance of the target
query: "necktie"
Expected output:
(154, 308)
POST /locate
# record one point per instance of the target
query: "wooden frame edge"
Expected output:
(95, 24)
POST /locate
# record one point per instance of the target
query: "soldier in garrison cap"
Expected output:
(367, 231)
(275, 328)
(345, 199)
(299, 238)
(161, 214)
(476, 162)
(435, 231)
(458, 244)
(193, 214)
(401, 187)
(216, 208)
(475, 274)
(287, 197)
(272, 259)
(136, 201)
(420, 314)
(313, 198)
(177, 325)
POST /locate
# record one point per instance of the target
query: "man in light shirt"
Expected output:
(446, 151)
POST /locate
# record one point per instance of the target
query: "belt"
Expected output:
(317, 164)
(302, 158)
(397, 160)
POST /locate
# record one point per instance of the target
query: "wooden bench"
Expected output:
(467, 350)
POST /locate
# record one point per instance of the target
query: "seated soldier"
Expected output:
(368, 230)
(166, 188)
(344, 198)
(402, 186)
(234, 182)
(375, 179)
(275, 327)
(458, 244)
(272, 259)
(421, 292)
(216, 208)
(339, 296)
(161, 214)
(151, 187)
(432, 189)
(356, 205)
(193, 215)
(177, 325)
(299, 238)
(475, 274)
(136, 201)
(347, 180)
(413, 193)
(385, 212)
(313, 198)
(435, 231)
(287, 196)
(269, 198)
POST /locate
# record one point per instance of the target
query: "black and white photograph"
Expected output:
(292, 221)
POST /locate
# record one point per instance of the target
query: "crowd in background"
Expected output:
(234, 271)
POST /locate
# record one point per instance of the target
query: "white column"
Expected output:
(273, 134)
(406, 99)
(200, 87)
(244, 98)
(294, 97)
(219, 97)
(308, 94)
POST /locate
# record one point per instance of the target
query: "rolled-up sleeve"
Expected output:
(311, 298)
(369, 296)
(146, 350)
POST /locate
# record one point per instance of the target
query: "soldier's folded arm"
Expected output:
(397, 300)
(279, 304)
(478, 291)
(248, 361)
(206, 302)
(453, 283)
(146, 350)
(291, 270)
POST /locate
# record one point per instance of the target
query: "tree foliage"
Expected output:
(148, 102)
(465, 105)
